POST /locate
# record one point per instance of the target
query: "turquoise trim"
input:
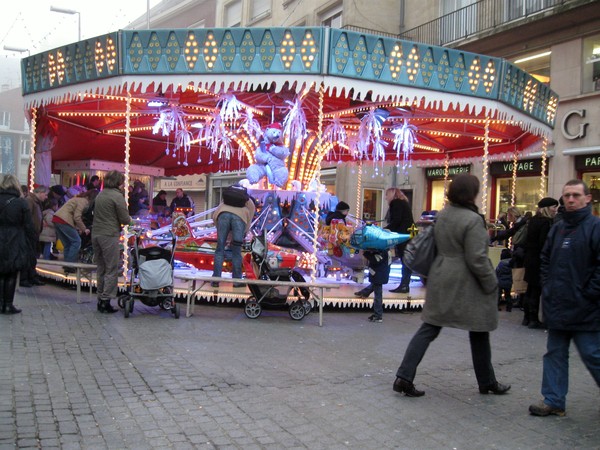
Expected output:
(296, 51)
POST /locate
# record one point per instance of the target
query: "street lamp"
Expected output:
(70, 11)
(8, 48)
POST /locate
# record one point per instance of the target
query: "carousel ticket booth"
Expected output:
(74, 173)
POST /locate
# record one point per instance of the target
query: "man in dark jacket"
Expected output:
(399, 219)
(35, 199)
(570, 276)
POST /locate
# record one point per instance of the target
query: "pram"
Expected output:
(264, 264)
(151, 276)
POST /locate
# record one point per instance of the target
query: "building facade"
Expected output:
(15, 137)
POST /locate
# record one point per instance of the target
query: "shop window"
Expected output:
(372, 204)
(536, 64)
(591, 64)
(593, 181)
(233, 14)
(437, 194)
(527, 194)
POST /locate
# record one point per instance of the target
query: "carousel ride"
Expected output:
(202, 100)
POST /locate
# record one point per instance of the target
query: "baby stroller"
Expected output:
(265, 267)
(151, 279)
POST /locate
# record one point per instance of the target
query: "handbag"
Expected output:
(420, 252)
(519, 285)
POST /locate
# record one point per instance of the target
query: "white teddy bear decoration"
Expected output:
(270, 158)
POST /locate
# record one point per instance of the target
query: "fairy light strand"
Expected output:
(486, 167)
(544, 161)
(313, 257)
(32, 147)
(513, 189)
(446, 176)
(127, 168)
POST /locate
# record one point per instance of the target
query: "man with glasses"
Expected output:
(570, 277)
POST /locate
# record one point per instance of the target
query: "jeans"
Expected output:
(71, 240)
(481, 354)
(378, 299)
(229, 222)
(47, 250)
(107, 255)
(555, 380)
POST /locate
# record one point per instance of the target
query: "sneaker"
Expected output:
(542, 409)
(374, 318)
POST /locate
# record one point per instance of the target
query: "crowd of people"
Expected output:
(558, 247)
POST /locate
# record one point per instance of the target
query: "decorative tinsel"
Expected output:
(336, 133)
(405, 137)
(172, 120)
(370, 133)
(294, 123)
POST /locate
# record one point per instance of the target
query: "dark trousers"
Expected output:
(481, 354)
(531, 305)
(8, 284)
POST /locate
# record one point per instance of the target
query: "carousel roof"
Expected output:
(194, 100)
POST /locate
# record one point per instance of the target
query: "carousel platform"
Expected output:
(341, 297)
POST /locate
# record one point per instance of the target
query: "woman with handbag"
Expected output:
(461, 289)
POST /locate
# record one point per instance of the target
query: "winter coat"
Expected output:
(399, 219)
(35, 208)
(570, 273)
(71, 212)
(379, 266)
(246, 212)
(462, 290)
(48, 233)
(537, 231)
(518, 250)
(17, 234)
(334, 215)
(110, 212)
(183, 202)
(504, 274)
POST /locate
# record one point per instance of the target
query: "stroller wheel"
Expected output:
(175, 311)
(128, 307)
(252, 308)
(297, 311)
(307, 306)
(121, 300)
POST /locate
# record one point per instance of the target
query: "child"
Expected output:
(504, 276)
(379, 274)
(48, 234)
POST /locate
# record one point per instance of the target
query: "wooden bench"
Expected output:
(193, 279)
(81, 270)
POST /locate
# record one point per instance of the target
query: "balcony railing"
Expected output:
(479, 17)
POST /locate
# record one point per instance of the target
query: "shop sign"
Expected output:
(186, 182)
(524, 167)
(587, 162)
(565, 125)
(438, 172)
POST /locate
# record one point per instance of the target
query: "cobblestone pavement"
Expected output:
(75, 379)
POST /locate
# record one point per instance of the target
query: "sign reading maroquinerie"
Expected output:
(438, 172)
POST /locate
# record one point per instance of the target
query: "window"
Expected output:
(259, 8)
(536, 64)
(458, 20)
(591, 64)
(7, 164)
(25, 148)
(5, 119)
(516, 9)
(233, 14)
(332, 17)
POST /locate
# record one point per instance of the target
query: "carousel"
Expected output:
(195, 101)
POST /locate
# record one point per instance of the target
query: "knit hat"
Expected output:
(342, 206)
(547, 201)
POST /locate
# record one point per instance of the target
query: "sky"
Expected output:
(29, 24)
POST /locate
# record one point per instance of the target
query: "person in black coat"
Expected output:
(341, 211)
(17, 240)
(399, 219)
(504, 277)
(538, 228)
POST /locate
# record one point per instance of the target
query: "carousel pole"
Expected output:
(359, 187)
(513, 188)
(446, 176)
(127, 168)
(486, 167)
(32, 152)
(313, 257)
(544, 162)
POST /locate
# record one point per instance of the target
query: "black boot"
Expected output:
(100, 306)
(107, 308)
(10, 309)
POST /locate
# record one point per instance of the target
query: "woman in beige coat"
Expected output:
(461, 289)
